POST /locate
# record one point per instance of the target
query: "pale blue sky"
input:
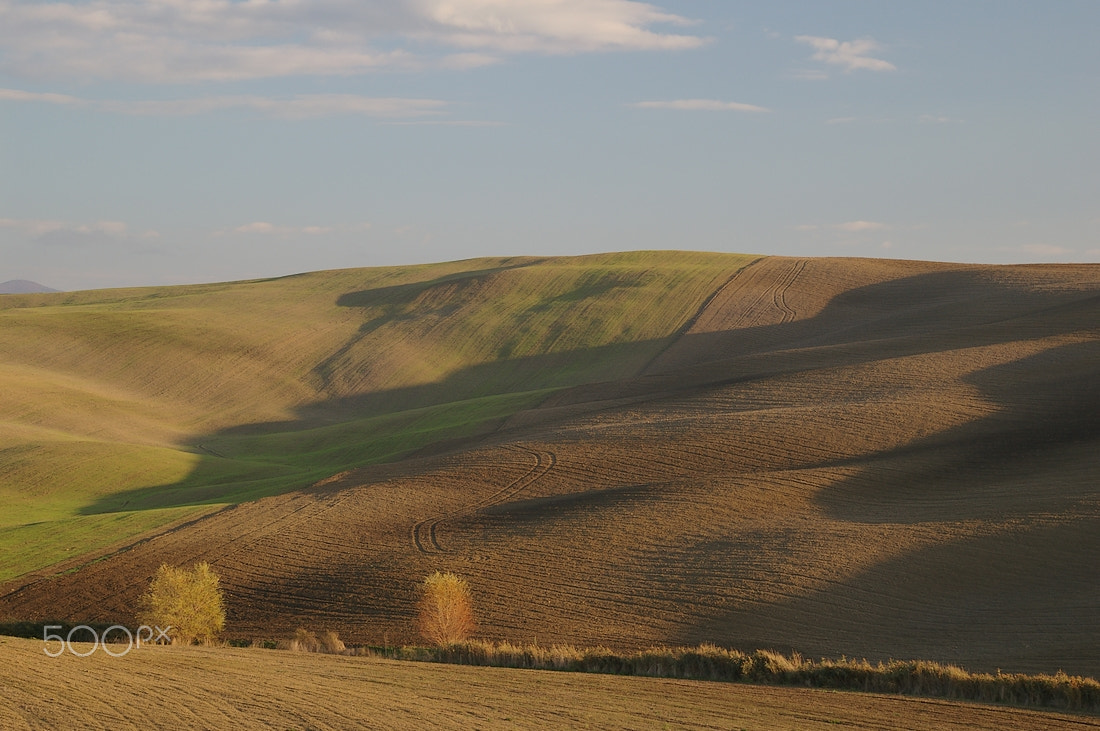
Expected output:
(176, 141)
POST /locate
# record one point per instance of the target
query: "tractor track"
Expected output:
(425, 532)
(779, 293)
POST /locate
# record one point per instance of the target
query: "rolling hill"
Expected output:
(23, 286)
(863, 457)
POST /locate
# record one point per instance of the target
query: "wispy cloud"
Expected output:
(303, 106)
(66, 233)
(857, 226)
(1046, 250)
(18, 95)
(937, 119)
(705, 105)
(265, 228)
(31, 227)
(184, 41)
(847, 226)
(850, 55)
(809, 74)
(447, 123)
(859, 120)
(554, 26)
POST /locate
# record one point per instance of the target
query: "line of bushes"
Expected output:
(709, 662)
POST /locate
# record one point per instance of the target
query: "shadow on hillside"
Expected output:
(1021, 591)
(906, 316)
(1048, 406)
(1023, 599)
(394, 303)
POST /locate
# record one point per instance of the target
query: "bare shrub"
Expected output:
(187, 602)
(446, 612)
(303, 641)
(306, 641)
(332, 644)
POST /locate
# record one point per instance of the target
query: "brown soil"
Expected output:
(872, 458)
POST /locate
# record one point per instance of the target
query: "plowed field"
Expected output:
(226, 689)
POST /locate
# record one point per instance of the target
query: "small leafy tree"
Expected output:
(190, 601)
(446, 612)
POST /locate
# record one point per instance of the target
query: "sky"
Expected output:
(177, 141)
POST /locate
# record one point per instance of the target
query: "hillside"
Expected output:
(861, 457)
(23, 286)
(128, 408)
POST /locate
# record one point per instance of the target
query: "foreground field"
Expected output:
(868, 458)
(221, 688)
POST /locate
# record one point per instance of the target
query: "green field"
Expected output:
(130, 409)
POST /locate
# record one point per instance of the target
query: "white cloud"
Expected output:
(553, 26)
(302, 106)
(851, 55)
(183, 41)
(706, 105)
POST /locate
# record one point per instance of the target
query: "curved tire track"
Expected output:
(754, 297)
(779, 293)
(425, 532)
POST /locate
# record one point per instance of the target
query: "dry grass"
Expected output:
(709, 662)
(306, 641)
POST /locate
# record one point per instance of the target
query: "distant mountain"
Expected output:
(24, 286)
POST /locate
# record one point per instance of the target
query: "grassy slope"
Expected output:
(162, 398)
(196, 687)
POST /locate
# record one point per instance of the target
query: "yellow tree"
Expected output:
(189, 601)
(446, 611)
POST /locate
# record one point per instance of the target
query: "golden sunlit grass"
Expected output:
(709, 662)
